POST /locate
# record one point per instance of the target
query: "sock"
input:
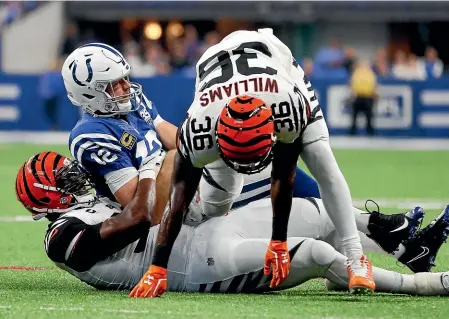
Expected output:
(421, 284)
(335, 194)
(352, 247)
(389, 281)
(362, 220)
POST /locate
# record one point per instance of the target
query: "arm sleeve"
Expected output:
(116, 179)
(79, 246)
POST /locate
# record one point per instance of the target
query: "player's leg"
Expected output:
(219, 188)
(395, 234)
(319, 158)
(237, 265)
(334, 190)
(315, 259)
(423, 284)
(257, 186)
(381, 233)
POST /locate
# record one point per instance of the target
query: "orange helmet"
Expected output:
(245, 134)
(50, 183)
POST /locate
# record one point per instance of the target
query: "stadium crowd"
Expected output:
(176, 51)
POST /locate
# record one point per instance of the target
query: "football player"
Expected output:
(253, 105)
(103, 246)
(121, 140)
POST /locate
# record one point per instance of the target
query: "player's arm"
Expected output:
(185, 180)
(277, 258)
(104, 157)
(167, 133)
(137, 193)
(282, 183)
(80, 246)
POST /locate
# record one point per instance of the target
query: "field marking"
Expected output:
(61, 309)
(404, 203)
(27, 268)
(16, 219)
(133, 311)
(395, 203)
(158, 313)
(338, 142)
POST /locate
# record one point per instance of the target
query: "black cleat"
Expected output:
(389, 231)
(421, 250)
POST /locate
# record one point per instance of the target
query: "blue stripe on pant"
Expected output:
(305, 186)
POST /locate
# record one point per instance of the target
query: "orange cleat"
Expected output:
(360, 274)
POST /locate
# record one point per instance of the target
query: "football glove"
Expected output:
(152, 284)
(277, 259)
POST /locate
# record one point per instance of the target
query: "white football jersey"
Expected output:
(246, 63)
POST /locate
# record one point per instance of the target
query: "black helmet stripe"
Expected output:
(33, 168)
(251, 142)
(56, 162)
(43, 167)
(27, 190)
(243, 152)
(268, 120)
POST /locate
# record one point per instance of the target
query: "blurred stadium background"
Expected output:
(403, 45)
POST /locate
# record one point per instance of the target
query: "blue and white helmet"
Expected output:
(89, 70)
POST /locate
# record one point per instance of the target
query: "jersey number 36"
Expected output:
(242, 64)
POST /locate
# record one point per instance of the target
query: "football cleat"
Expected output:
(421, 250)
(360, 276)
(389, 231)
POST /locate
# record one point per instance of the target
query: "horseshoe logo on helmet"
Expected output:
(89, 73)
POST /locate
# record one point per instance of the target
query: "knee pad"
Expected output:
(322, 253)
(312, 258)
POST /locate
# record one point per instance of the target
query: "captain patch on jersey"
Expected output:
(128, 140)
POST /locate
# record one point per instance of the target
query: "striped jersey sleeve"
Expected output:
(99, 152)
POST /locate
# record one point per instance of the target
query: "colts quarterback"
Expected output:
(120, 139)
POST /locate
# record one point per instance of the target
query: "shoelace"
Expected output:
(371, 211)
(359, 267)
(415, 229)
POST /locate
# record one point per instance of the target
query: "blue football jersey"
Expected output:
(107, 144)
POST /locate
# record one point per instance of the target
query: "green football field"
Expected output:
(36, 289)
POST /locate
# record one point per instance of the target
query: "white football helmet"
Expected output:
(87, 73)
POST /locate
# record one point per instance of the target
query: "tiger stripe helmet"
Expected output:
(245, 134)
(50, 183)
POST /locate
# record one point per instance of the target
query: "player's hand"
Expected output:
(277, 259)
(152, 284)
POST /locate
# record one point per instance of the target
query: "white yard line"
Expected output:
(159, 313)
(125, 311)
(404, 203)
(395, 203)
(337, 142)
